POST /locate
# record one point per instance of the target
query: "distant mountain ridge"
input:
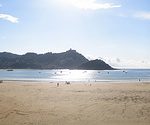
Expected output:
(65, 60)
(95, 65)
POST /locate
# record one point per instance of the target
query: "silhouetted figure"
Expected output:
(139, 80)
(1, 81)
(68, 83)
(57, 84)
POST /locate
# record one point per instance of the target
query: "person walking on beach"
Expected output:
(57, 84)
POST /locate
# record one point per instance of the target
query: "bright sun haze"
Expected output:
(116, 31)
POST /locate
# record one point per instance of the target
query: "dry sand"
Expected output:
(24, 103)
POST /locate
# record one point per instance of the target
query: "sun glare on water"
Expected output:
(72, 75)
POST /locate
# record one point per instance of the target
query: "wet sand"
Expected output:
(41, 103)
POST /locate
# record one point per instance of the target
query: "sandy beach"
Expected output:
(43, 103)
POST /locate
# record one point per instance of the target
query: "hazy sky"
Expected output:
(117, 31)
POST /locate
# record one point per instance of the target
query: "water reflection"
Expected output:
(75, 75)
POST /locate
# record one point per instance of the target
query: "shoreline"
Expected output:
(75, 104)
(81, 82)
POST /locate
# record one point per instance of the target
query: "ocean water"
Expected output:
(76, 75)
